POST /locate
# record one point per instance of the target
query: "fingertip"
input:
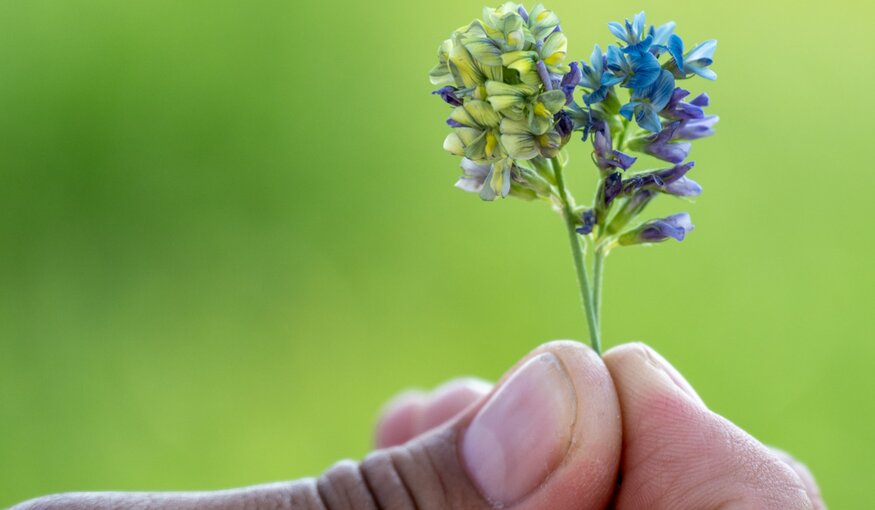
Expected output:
(449, 399)
(415, 412)
(805, 475)
(399, 419)
(639, 369)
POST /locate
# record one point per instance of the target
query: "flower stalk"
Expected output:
(586, 294)
(598, 269)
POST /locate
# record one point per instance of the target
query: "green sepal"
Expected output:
(530, 178)
(519, 190)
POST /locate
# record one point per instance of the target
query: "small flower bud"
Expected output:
(676, 226)
(588, 220)
(448, 94)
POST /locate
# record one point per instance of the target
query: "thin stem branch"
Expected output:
(577, 255)
(598, 268)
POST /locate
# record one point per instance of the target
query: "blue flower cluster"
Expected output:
(656, 119)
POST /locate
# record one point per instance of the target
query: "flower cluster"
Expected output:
(516, 104)
(515, 107)
(656, 120)
(505, 79)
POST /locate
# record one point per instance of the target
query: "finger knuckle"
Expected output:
(344, 487)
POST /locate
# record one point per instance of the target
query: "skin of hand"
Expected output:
(552, 433)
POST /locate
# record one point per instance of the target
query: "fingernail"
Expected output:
(522, 433)
(674, 376)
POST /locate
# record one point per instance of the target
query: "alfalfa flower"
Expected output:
(676, 226)
(662, 145)
(516, 102)
(506, 78)
(648, 101)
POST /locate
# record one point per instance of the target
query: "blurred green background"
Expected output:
(228, 233)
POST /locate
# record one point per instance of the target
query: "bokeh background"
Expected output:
(228, 233)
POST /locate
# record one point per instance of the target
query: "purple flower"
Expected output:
(606, 157)
(696, 128)
(702, 100)
(448, 94)
(676, 226)
(672, 181)
(670, 175)
(563, 124)
(580, 119)
(569, 82)
(661, 146)
(676, 109)
(683, 187)
(588, 221)
(642, 181)
(611, 188)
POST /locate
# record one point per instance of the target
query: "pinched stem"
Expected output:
(577, 255)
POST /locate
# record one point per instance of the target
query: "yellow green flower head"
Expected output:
(503, 75)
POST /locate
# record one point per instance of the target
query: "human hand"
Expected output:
(548, 435)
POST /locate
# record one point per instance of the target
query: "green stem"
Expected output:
(598, 267)
(577, 255)
(621, 142)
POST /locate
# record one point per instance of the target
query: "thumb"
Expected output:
(548, 435)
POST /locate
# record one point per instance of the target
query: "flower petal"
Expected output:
(684, 187)
(702, 50)
(676, 49)
(482, 113)
(520, 146)
(646, 70)
(660, 93)
(647, 118)
(453, 144)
